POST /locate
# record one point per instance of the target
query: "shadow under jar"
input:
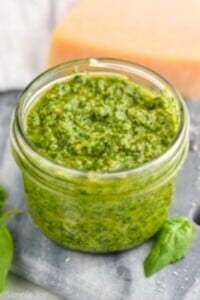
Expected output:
(98, 211)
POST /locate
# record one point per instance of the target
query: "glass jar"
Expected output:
(89, 211)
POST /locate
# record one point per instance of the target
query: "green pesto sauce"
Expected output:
(101, 122)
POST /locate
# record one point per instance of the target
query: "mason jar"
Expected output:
(92, 211)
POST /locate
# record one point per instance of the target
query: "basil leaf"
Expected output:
(6, 241)
(3, 195)
(172, 244)
(6, 254)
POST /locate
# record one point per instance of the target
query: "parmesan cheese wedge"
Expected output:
(163, 35)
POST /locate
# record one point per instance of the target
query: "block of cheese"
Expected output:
(163, 35)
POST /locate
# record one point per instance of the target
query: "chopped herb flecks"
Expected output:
(101, 122)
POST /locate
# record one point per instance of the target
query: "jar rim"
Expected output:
(116, 65)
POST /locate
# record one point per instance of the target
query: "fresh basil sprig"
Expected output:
(6, 242)
(6, 255)
(172, 244)
(3, 195)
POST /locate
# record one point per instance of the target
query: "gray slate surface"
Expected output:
(77, 276)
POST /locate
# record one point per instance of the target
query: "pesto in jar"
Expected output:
(101, 123)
